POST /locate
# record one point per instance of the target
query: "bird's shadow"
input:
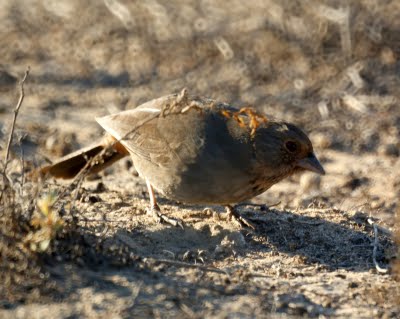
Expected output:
(333, 238)
(335, 241)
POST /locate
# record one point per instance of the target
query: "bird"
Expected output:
(196, 150)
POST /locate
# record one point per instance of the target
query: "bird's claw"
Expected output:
(155, 211)
(242, 221)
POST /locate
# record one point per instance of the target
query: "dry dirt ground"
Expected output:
(331, 67)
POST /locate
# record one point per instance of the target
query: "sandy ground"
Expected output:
(311, 254)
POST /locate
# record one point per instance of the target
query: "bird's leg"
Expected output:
(233, 214)
(155, 210)
(153, 201)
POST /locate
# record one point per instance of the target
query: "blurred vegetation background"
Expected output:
(330, 66)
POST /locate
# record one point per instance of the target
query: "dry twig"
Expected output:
(201, 267)
(321, 210)
(374, 251)
(188, 265)
(10, 138)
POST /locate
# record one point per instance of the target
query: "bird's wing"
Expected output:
(150, 135)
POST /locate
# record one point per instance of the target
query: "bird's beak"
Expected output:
(311, 163)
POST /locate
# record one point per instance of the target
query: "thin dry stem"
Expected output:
(374, 251)
(10, 138)
(182, 264)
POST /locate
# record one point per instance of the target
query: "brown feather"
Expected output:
(108, 150)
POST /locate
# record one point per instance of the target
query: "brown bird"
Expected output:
(197, 150)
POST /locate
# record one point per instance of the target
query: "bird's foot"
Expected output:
(234, 215)
(155, 211)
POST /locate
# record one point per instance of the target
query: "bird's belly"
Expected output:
(203, 182)
(227, 191)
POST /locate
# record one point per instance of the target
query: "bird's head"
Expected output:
(286, 148)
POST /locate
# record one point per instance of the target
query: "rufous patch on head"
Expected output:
(226, 113)
(255, 118)
(239, 119)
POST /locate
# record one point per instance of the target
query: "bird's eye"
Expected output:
(291, 146)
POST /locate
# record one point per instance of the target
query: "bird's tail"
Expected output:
(94, 158)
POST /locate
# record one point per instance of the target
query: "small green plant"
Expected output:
(46, 222)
